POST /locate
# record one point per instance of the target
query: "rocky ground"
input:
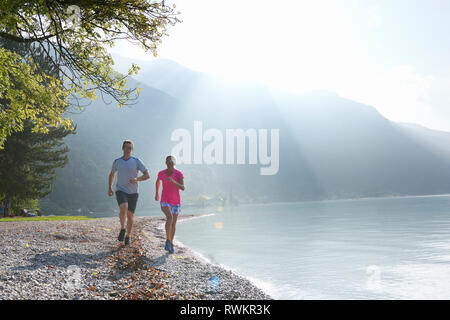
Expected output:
(84, 260)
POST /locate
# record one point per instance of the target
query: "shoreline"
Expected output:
(82, 260)
(202, 258)
(213, 207)
(181, 245)
(189, 270)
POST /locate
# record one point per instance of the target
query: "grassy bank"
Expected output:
(54, 218)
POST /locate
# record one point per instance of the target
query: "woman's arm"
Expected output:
(157, 190)
(179, 185)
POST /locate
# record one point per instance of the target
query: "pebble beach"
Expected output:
(83, 260)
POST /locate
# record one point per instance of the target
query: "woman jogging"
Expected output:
(172, 180)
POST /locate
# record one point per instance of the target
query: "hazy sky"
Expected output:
(391, 54)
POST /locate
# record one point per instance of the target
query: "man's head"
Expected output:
(127, 147)
(170, 161)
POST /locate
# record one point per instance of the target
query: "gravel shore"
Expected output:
(84, 260)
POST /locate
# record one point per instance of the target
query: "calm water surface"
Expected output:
(386, 248)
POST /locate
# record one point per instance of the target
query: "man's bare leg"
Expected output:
(123, 214)
(130, 217)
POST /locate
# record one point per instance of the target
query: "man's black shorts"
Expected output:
(132, 199)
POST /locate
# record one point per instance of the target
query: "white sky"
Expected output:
(393, 55)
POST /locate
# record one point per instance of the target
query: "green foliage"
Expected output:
(30, 204)
(73, 37)
(27, 94)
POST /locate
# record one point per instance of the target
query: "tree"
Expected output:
(28, 162)
(73, 35)
(29, 157)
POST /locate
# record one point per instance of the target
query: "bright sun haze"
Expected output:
(388, 54)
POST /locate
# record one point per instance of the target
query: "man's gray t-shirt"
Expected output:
(127, 169)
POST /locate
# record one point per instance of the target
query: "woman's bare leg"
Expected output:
(174, 222)
(169, 219)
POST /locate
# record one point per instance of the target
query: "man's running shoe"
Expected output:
(171, 247)
(167, 246)
(121, 235)
(127, 240)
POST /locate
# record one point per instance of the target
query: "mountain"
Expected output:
(329, 147)
(437, 141)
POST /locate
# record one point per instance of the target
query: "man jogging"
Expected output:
(127, 168)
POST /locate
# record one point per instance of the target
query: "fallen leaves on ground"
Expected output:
(142, 282)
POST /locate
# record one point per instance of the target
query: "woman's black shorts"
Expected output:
(131, 199)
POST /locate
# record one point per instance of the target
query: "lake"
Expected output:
(377, 248)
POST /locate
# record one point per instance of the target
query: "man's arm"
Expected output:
(144, 177)
(110, 183)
